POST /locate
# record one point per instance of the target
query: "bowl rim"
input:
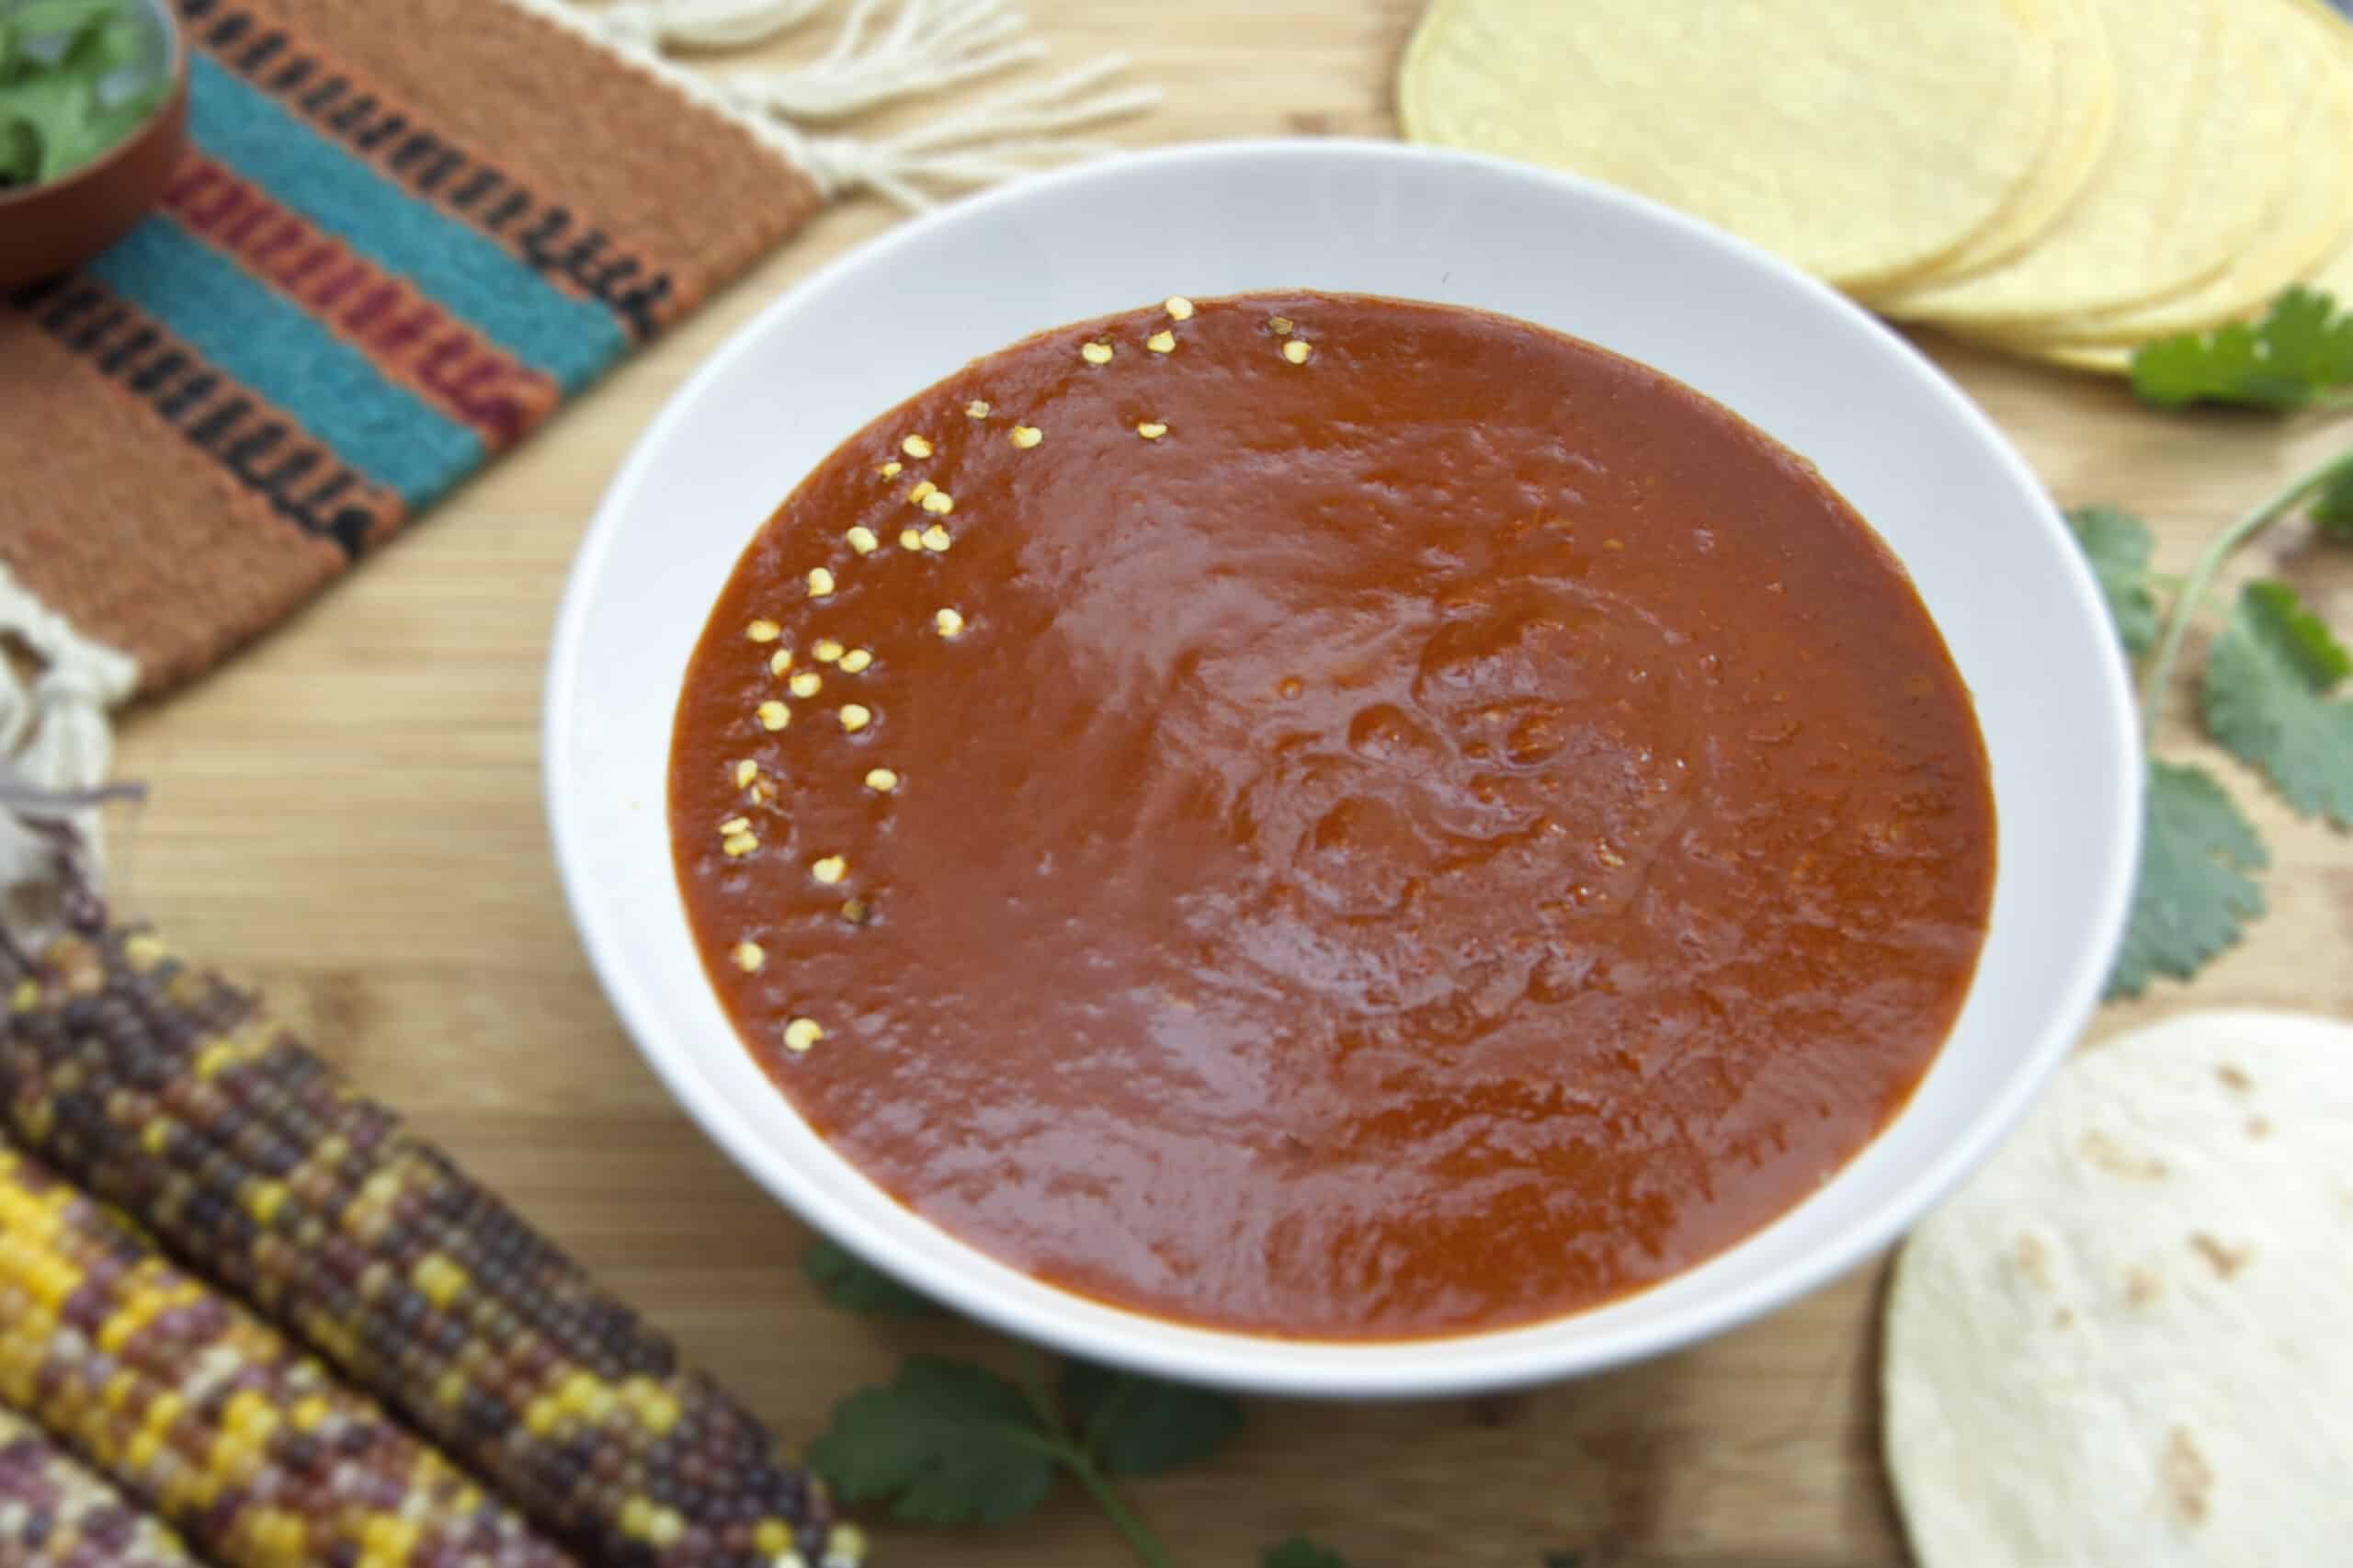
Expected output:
(1515, 1362)
(176, 93)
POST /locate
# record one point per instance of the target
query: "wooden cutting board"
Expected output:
(349, 814)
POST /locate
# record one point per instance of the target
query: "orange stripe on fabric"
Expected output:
(410, 339)
(114, 514)
(288, 53)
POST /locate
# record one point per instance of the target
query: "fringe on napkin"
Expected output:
(925, 46)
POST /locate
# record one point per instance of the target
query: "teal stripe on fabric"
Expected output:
(495, 292)
(278, 350)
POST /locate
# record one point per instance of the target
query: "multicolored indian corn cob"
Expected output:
(164, 1089)
(208, 1415)
(55, 1513)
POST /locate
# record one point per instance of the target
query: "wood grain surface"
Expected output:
(349, 816)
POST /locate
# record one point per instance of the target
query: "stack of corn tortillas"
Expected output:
(2124, 1341)
(2067, 178)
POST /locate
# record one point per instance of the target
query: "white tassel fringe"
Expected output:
(997, 137)
(702, 24)
(929, 44)
(55, 737)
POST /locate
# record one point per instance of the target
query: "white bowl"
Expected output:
(1991, 557)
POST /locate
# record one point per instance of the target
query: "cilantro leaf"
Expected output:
(2194, 897)
(851, 1283)
(2332, 509)
(2118, 545)
(65, 98)
(70, 19)
(19, 151)
(1300, 1552)
(2301, 348)
(57, 110)
(108, 46)
(2266, 698)
(1137, 1425)
(954, 1443)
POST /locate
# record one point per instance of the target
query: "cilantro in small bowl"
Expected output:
(78, 77)
(93, 122)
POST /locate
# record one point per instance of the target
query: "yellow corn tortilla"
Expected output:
(2085, 122)
(1862, 140)
(2306, 231)
(2201, 131)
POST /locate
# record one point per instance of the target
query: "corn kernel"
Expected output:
(439, 1278)
(263, 1201)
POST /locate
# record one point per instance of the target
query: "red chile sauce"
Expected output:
(1457, 828)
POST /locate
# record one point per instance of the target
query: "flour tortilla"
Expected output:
(2085, 123)
(2123, 1342)
(2201, 133)
(1862, 140)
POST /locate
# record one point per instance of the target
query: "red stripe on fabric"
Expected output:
(263, 450)
(409, 338)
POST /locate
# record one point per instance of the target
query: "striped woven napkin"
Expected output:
(405, 233)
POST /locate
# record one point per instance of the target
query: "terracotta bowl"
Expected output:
(47, 229)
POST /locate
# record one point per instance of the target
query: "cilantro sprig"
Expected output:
(69, 86)
(2266, 693)
(2299, 354)
(950, 1442)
